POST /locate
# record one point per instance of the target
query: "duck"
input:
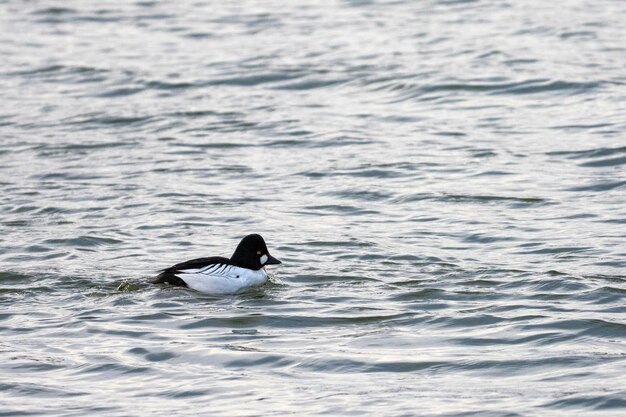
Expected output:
(218, 275)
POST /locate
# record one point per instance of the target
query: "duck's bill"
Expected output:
(271, 260)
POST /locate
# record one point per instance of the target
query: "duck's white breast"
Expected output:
(222, 279)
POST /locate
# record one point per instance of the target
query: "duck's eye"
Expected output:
(258, 252)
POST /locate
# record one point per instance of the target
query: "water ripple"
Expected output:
(443, 181)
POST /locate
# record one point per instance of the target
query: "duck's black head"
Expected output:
(252, 253)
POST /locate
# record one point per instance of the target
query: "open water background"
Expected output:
(444, 181)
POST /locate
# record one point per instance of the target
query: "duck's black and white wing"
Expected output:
(170, 275)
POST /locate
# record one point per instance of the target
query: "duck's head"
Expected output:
(252, 253)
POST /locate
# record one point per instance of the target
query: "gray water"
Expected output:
(444, 182)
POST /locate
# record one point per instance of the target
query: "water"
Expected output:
(443, 180)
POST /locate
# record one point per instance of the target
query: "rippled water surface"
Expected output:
(444, 181)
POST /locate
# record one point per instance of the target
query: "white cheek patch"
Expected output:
(263, 259)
